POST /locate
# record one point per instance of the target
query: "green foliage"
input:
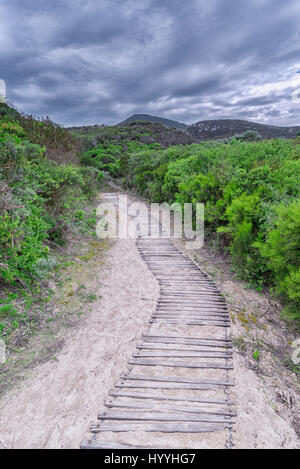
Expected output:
(39, 198)
(281, 250)
(7, 310)
(249, 136)
(104, 159)
(251, 193)
(61, 146)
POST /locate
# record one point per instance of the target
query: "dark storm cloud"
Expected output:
(101, 60)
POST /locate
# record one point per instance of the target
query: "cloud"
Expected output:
(85, 62)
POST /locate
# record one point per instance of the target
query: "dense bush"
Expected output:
(281, 250)
(249, 136)
(38, 197)
(61, 146)
(251, 191)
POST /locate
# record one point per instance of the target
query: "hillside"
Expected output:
(217, 129)
(203, 130)
(43, 196)
(106, 148)
(140, 131)
(159, 120)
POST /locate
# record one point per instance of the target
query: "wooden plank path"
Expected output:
(178, 380)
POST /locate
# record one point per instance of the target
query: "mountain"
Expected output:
(222, 128)
(159, 120)
(141, 132)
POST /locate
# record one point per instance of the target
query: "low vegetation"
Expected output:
(251, 193)
(250, 188)
(42, 191)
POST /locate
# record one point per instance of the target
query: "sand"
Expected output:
(54, 407)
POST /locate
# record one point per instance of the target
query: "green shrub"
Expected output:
(249, 187)
(38, 196)
(248, 136)
(61, 146)
(282, 253)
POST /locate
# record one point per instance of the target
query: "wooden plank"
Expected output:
(181, 355)
(181, 282)
(192, 294)
(202, 295)
(182, 277)
(191, 313)
(193, 317)
(170, 268)
(165, 385)
(189, 317)
(162, 255)
(172, 263)
(187, 337)
(177, 309)
(174, 268)
(177, 283)
(159, 427)
(205, 308)
(161, 416)
(190, 307)
(195, 300)
(187, 342)
(205, 305)
(190, 323)
(190, 304)
(186, 276)
(130, 404)
(168, 397)
(201, 308)
(203, 290)
(179, 364)
(220, 322)
(185, 348)
(199, 280)
(176, 379)
(96, 444)
(193, 307)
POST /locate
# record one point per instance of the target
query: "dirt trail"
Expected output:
(53, 409)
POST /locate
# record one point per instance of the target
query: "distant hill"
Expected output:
(222, 128)
(202, 130)
(136, 131)
(159, 120)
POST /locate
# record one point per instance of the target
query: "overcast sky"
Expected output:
(99, 61)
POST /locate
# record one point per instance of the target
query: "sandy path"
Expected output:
(53, 409)
(163, 259)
